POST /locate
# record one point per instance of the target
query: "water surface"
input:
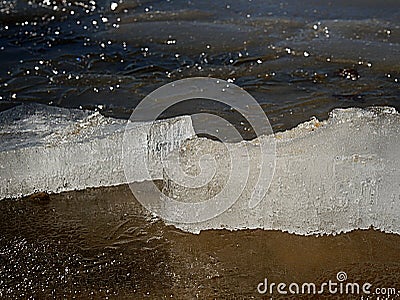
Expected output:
(100, 243)
(297, 58)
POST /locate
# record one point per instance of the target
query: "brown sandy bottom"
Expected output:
(100, 243)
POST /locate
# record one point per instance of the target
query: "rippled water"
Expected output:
(100, 243)
(297, 58)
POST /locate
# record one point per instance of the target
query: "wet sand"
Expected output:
(100, 242)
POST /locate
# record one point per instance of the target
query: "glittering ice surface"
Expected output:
(331, 176)
(55, 149)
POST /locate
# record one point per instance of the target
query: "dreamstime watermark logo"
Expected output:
(341, 276)
(154, 151)
(338, 286)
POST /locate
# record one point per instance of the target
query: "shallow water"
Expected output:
(100, 243)
(289, 55)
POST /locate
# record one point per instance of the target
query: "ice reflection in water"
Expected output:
(98, 243)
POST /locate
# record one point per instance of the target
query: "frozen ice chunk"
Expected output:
(54, 149)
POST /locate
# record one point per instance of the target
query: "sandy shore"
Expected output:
(100, 242)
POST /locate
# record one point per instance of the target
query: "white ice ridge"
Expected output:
(54, 149)
(332, 176)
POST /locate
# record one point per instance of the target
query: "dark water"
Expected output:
(297, 58)
(99, 243)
